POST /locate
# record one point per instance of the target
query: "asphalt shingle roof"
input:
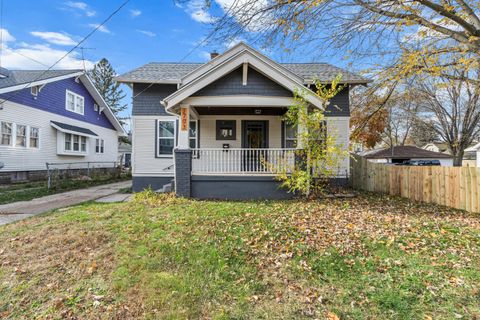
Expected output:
(70, 127)
(11, 78)
(404, 152)
(159, 72)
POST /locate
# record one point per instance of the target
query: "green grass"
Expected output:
(159, 257)
(31, 190)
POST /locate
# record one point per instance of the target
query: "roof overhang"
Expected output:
(87, 82)
(40, 82)
(228, 62)
(68, 128)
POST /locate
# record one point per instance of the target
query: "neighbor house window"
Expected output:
(290, 136)
(193, 134)
(21, 137)
(34, 137)
(34, 90)
(75, 102)
(165, 137)
(83, 144)
(6, 133)
(100, 146)
(75, 143)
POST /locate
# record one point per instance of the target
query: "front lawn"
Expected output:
(371, 257)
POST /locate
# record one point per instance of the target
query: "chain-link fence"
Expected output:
(62, 173)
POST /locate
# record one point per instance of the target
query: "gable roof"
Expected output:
(403, 152)
(158, 72)
(18, 79)
(227, 62)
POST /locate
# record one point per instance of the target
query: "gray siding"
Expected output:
(147, 103)
(231, 84)
(340, 105)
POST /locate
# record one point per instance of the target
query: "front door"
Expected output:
(254, 137)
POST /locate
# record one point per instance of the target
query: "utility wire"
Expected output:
(218, 27)
(68, 53)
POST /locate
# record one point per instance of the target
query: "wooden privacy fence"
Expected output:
(457, 187)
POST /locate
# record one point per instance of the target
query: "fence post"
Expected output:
(48, 176)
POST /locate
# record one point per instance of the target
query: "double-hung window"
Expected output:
(165, 137)
(34, 137)
(6, 133)
(75, 102)
(193, 134)
(100, 146)
(290, 136)
(21, 137)
(75, 143)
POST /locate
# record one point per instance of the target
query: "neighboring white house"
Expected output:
(54, 116)
(475, 153)
(401, 154)
(208, 126)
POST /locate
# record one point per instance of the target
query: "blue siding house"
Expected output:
(54, 116)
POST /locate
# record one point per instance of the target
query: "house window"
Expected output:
(75, 143)
(100, 146)
(68, 142)
(83, 144)
(21, 137)
(75, 102)
(6, 133)
(34, 90)
(34, 137)
(226, 129)
(95, 107)
(193, 134)
(290, 136)
(165, 137)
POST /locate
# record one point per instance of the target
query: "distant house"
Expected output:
(125, 154)
(472, 155)
(436, 147)
(401, 154)
(54, 116)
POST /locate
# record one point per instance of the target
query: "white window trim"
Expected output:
(35, 90)
(157, 145)
(29, 132)
(285, 139)
(75, 96)
(196, 134)
(12, 133)
(26, 136)
(100, 143)
(71, 151)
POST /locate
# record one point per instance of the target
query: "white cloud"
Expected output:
(198, 12)
(204, 55)
(135, 13)
(100, 28)
(21, 55)
(147, 33)
(82, 6)
(55, 38)
(38, 56)
(233, 42)
(6, 36)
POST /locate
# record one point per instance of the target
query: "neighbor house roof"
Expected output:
(403, 152)
(158, 72)
(12, 78)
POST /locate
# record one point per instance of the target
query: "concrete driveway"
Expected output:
(23, 209)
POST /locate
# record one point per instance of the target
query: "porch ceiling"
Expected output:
(258, 111)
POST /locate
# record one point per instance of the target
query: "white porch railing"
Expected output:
(242, 161)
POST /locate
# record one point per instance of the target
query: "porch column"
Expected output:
(183, 143)
(300, 158)
(183, 155)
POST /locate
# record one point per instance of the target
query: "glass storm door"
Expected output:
(254, 138)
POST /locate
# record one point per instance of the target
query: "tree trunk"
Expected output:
(457, 159)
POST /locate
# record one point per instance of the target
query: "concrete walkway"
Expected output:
(23, 209)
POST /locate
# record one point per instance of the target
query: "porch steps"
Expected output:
(169, 187)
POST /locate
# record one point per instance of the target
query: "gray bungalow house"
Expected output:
(204, 128)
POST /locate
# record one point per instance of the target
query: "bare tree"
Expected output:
(453, 109)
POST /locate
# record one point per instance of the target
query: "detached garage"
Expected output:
(403, 154)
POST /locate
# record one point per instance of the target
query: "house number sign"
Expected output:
(184, 119)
